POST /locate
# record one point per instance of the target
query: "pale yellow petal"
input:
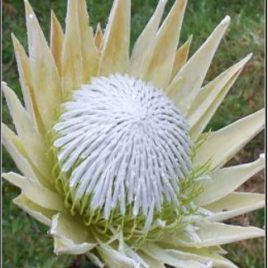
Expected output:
(76, 241)
(221, 145)
(188, 81)
(210, 97)
(224, 181)
(62, 247)
(235, 204)
(181, 56)
(200, 256)
(89, 53)
(152, 261)
(32, 141)
(115, 52)
(72, 64)
(208, 254)
(39, 213)
(98, 37)
(44, 72)
(161, 64)
(56, 40)
(16, 151)
(144, 46)
(15, 148)
(35, 192)
(213, 234)
(24, 70)
(114, 258)
(80, 57)
(168, 257)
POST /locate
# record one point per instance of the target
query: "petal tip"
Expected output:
(226, 20)
(250, 55)
(262, 157)
(3, 84)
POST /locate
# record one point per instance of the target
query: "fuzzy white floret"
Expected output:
(123, 142)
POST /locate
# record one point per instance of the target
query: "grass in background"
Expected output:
(25, 242)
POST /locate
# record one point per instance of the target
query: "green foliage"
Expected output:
(25, 243)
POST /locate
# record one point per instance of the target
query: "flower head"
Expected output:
(111, 147)
(123, 142)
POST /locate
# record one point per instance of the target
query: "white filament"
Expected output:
(123, 142)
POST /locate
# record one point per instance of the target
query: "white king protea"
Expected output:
(111, 147)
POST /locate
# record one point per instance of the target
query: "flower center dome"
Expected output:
(123, 143)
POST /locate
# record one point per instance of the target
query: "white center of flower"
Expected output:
(123, 142)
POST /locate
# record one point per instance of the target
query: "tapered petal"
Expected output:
(173, 257)
(235, 204)
(213, 234)
(114, 258)
(201, 257)
(62, 247)
(160, 68)
(181, 56)
(151, 261)
(144, 46)
(44, 72)
(24, 70)
(56, 40)
(14, 147)
(115, 52)
(221, 145)
(210, 97)
(98, 37)
(32, 141)
(72, 64)
(35, 192)
(187, 83)
(211, 254)
(224, 181)
(41, 214)
(70, 237)
(90, 57)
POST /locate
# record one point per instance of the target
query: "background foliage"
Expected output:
(25, 242)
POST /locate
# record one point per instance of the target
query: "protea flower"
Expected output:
(111, 146)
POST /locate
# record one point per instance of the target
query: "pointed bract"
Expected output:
(144, 46)
(211, 96)
(181, 56)
(221, 145)
(213, 234)
(33, 143)
(14, 147)
(224, 181)
(56, 40)
(89, 53)
(44, 73)
(24, 70)
(35, 192)
(160, 68)
(98, 37)
(187, 83)
(75, 242)
(235, 204)
(39, 213)
(115, 51)
(71, 61)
